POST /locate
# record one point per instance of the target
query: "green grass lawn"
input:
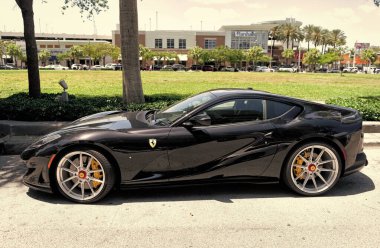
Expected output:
(108, 83)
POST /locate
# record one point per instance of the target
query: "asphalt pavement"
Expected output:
(240, 215)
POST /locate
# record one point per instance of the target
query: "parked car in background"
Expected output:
(167, 68)
(196, 68)
(377, 71)
(178, 67)
(97, 67)
(287, 68)
(208, 68)
(264, 69)
(110, 66)
(334, 71)
(229, 68)
(350, 69)
(8, 67)
(79, 67)
(275, 68)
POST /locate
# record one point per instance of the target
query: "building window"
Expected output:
(68, 46)
(56, 46)
(182, 44)
(158, 43)
(210, 44)
(170, 43)
(50, 46)
(42, 46)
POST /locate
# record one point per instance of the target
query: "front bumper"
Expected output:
(37, 174)
(360, 162)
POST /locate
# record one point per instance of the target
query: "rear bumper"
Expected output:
(360, 162)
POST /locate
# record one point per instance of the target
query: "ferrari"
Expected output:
(218, 136)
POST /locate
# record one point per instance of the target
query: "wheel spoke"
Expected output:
(300, 175)
(80, 160)
(299, 166)
(326, 161)
(94, 171)
(324, 169)
(321, 177)
(89, 164)
(314, 182)
(95, 179)
(91, 188)
(304, 159)
(74, 186)
(311, 154)
(68, 170)
(320, 155)
(69, 179)
(305, 181)
(71, 162)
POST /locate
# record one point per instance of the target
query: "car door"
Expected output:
(236, 142)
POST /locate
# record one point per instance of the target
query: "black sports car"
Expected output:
(224, 135)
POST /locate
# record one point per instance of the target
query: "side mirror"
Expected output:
(202, 119)
(188, 124)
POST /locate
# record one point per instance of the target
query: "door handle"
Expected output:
(268, 135)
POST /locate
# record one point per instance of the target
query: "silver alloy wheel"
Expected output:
(314, 169)
(76, 177)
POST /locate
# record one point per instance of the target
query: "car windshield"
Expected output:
(176, 111)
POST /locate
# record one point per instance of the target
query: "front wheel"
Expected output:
(312, 169)
(84, 176)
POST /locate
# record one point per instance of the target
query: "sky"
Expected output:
(359, 19)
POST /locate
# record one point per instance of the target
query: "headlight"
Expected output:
(45, 140)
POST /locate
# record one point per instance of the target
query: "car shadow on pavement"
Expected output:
(11, 170)
(355, 184)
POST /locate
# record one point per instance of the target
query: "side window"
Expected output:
(276, 109)
(239, 110)
(242, 110)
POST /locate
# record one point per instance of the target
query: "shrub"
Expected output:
(369, 107)
(23, 108)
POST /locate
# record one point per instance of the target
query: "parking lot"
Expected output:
(206, 216)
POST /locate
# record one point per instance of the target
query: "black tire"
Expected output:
(108, 173)
(289, 179)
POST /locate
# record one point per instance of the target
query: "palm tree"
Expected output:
(145, 54)
(287, 32)
(75, 52)
(195, 53)
(316, 36)
(308, 34)
(274, 34)
(325, 39)
(3, 46)
(338, 38)
(287, 54)
(369, 55)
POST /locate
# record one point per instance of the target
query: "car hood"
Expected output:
(113, 120)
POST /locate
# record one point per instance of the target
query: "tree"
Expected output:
(235, 56)
(195, 53)
(74, 53)
(14, 51)
(44, 55)
(325, 39)
(132, 85)
(26, 6)
(312, 58)
(369, 55)
(316, 36)
(3, 50)
(274, 34)
(206, 57)
(308, 34)
(377, 2)
(255, 54)
(23, 58)
(288, 54)
(338, 38)
(146, 54)
(330, 58)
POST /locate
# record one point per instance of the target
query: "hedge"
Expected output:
(24, 108)
(369, 107)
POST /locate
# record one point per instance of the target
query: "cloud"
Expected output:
(216, 2)
(257, 5)
(367, 8)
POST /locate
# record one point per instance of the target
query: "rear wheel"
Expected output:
(84, 176)
(312, 169)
